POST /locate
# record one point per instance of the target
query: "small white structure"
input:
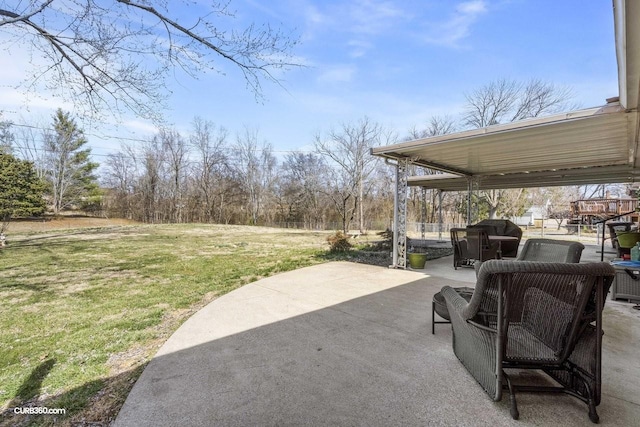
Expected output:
(532, 217)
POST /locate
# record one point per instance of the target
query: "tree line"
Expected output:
(211, 175)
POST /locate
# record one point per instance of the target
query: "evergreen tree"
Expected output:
(69, 170)
(21, 191)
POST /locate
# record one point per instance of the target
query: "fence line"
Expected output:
(329, 226)
(433, 230)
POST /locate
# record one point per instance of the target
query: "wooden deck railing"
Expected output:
(602, 207)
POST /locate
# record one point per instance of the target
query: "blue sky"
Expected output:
(396, 61)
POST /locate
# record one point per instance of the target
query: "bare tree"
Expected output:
(175, 158)
(118, 53)
(120, 177)
(210, 144)
(30, 149)
(255, 166)
(436, 125)
(557, 201)
(301, 187)
(150, 182)
(506, 100)
(348, 148)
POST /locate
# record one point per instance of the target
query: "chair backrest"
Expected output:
(489, 228)
(478, 244)
(549, 250)
(459, 242)
(504, 227)
(552, 302)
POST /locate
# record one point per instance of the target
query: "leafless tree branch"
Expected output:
(107, 56)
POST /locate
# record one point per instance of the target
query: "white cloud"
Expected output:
(367, 19)
(313, 15)
(338, 73)
(358, 48)
(472, 7)
(373, 16)
(14, 102)
(139, 126)
(324, 106)
(360, 21)
(458, 26)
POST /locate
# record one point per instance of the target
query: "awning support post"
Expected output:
(400, 216)
(423, 219)
(440, 215)
(469, 191)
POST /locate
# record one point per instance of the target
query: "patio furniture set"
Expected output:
(485, 240)
(541, 311)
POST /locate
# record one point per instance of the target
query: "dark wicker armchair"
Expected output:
(459, 244)
(533, 315)
(548, 250)
(504, 227)
(479, 247)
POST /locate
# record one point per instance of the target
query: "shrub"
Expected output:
(338, 242)
(387, 242)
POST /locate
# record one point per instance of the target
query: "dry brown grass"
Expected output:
(40, 225)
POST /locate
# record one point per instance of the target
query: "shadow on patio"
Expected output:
(348, 344)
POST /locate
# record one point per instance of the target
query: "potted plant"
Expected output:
(417, 257)
(627, 239)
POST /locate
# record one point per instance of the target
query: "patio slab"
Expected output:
(350, 344)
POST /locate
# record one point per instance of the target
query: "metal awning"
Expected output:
(592, 146)
(597, 145)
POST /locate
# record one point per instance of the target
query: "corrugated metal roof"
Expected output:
(583, 147)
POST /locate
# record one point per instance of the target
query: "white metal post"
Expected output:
(400, 216)
(440, 215)
(469, 190)
(394, 252)
(423, 217)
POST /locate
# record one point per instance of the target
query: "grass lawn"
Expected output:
(83, 310)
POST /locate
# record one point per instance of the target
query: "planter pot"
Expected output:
(627, 239)
(417, 261)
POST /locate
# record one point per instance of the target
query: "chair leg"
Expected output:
(513, 405)
(593, 414)
(433, 318)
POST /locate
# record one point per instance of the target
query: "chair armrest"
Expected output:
(454, 299)
(476, 267)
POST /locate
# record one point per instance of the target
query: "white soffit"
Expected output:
(603, 175)
(530, 151)
(626, 18)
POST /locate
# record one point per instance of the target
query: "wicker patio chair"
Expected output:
(504, 227)
(548, 250)
(533, 315)
(459, 244)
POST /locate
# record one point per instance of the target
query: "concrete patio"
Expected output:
(350, 344)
